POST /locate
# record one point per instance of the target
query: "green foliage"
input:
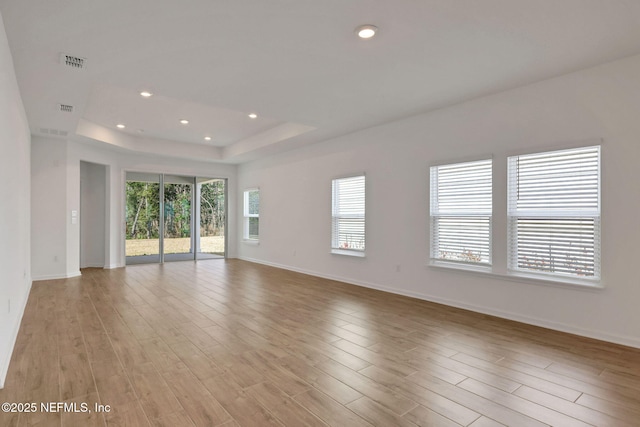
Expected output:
(212, 212)
(143, 209)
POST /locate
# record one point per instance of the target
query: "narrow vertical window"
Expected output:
(251, 214)
(460, 212)
(348, 215)
(554, 213)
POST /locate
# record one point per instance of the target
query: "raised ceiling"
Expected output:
(296, 63)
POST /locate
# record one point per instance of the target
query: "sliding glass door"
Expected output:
(178, 206)
(142, 231)
(174, 218)
(212, 214)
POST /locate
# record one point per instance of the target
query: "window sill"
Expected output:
(251, 242)
(520, 277)
(357, 254)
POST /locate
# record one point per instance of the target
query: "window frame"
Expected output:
(513, 213)
(335, 216)
(435, 214)
(246, 233)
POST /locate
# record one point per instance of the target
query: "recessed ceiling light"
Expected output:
(120, 126)
(366, 31)
(145, 94)
(207, 138)
(184, 121)
(253, 115)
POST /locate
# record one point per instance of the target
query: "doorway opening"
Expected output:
(94, 237)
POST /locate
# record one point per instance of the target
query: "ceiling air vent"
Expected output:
(55, 132)
(66, 108)
(73, 61)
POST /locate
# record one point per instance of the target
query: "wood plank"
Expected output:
(328, 410)
(76, 378)
(433, 401)
(485, 422)
(127, 415)
(378, 393)
(156, 398)
(523, 406)
(422, 416)
(286, 381)
(482, 405)
(519, 377)
(288, 411)
(324, 382)
(574, 410)
(377, 414)
(177, 419)
(203, 408)
(616, 409)
(76, 416)
(380, 360)
(239, 404)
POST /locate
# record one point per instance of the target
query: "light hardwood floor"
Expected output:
(231, 343)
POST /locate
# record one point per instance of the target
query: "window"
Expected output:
(348, 205)
(251, 214)
(554, 213)
(461, 207)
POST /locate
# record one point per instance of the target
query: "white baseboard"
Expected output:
(557, 326)
(57, 276)
(112, 266)
(4, 364)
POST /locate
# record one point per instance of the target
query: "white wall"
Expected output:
(48, 212)
(92, 215)
(15, 268)
(56, 176)
(599, 103)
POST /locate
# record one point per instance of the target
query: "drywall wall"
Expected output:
(598, 104)
(57, 171)
(15, 266)
(92, 215)
(48, 212)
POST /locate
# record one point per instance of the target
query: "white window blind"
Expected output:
(554, 212)
(461, 208)
(348, 213)
(252, 214)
